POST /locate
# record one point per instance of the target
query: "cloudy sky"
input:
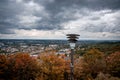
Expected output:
(53, 19)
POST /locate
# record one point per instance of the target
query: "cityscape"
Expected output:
(30, 46)
(11, 46)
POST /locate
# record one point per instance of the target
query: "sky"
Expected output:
(53, 19)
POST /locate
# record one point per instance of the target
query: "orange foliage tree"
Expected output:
(19, 66)
(94, 62)
(4, 74)
(24, 66)
(52, 66)
(113, 64)
(78, 68)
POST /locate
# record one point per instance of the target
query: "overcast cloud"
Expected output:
(48, 19)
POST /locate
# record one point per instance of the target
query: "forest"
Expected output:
(96, 62)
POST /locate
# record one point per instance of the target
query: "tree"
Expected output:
(19, 66)
(113, 64)
(25, 67)
(4, 68)
(102, 76)
(78, 68)
(94, 62)
(52, 66)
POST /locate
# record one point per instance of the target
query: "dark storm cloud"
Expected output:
(102, 28)
(57, 11)
(6, 27)
(57, 5)
(8, 10)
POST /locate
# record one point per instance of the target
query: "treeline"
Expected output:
(105, 47)
(93, 65)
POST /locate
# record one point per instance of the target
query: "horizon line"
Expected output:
(55, 39)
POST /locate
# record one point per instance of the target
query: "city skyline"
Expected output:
(53, 19)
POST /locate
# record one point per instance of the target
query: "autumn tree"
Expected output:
(94, 62)
(18, 67)
(78, 68)
(25, 67)
(102, 76)
(4, 74)
(113, 64)
(52, 66)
